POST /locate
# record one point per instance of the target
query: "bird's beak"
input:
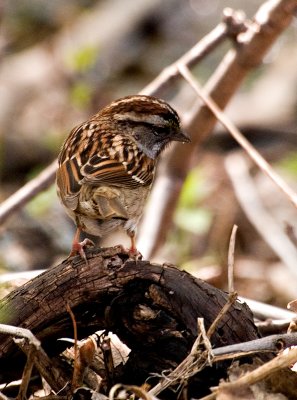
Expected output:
(181, 137)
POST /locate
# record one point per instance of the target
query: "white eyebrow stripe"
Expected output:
(152, 119)
(145, 99)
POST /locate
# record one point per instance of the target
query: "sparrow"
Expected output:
(107, 164)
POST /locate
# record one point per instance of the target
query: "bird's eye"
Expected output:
(159, 131)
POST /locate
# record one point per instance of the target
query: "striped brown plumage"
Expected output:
(107, 164)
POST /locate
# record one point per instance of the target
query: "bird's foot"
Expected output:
(79, 248)
(132, 253)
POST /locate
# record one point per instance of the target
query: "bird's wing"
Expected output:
(117, 162)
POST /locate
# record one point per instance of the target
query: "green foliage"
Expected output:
(193, 190)
(81, 94)
(191, 216)
(41, 204)
(51, 140)
(83, 59)
(196, 220)
(80, 62)
(289, 164)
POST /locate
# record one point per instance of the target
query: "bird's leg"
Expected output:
(78, 247)
(132, 237)
(133, 252)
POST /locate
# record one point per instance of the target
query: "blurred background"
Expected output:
(61, 61)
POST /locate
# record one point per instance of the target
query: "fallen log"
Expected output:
(152, 308)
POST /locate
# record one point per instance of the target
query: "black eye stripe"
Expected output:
(160, 131)
(157, 130)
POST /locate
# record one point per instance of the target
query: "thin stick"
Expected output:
(232, 25)
(271, 230)
(281, 361)
(196, 359)
(272, 343)
(267, 311)
(271, 19)
(231, 299)
(231, 259)
(194, 55)
(76, 358)
(205, 340)
(26, 374)
(238, 136)
(51, 370)
(27, 192)
(191, 365)
(20, 332)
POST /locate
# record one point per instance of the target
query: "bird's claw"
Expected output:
(79, 248)
(132, 253)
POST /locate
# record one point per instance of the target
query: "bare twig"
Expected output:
(292, 306)
(269, 22)
(272, 343)
(54, 374)
(248, 197)
(192, 364)
(281, 361)
(198, 358)
(238, 136)
(26, 374)
(20, 332)
(272, 326)
(108, 360)
(233, 24)
(205, 339)
(231, 300)
(266, 311)
(27, 192)
(231, 259)
(76, 365)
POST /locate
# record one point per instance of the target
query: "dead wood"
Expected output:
(152, 308)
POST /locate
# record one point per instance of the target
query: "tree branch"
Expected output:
(232, 25)
(269, 22)
(270, 230)
(22, 196)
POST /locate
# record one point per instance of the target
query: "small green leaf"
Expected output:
(83, 59)
(196, 221)
(289, 163)
(194, 189)
(40, 205)
(81, 94)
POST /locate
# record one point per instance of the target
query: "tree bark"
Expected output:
(152, 308)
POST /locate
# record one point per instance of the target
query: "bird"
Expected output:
(107, 165)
